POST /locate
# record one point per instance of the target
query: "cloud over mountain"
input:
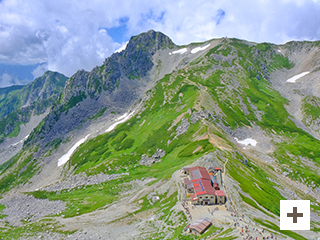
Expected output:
(72, 35)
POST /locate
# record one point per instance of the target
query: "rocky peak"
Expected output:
(151, 41)
(132, 63)
(76, 84)
(137, 58)
(42, 88)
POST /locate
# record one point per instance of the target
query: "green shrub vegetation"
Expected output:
(73, 101)
(99, 114)
(2, 207)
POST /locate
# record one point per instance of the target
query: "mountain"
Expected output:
(105, 161)
(20, 104)
(113, 87)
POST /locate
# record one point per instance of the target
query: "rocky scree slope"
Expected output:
(303, 94)
(204, 112)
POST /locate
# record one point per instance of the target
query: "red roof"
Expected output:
(217, 168)
(220, 193)
(199, 172)
(202, 186)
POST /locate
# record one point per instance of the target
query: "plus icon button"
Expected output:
(293, 219)
(295, 215)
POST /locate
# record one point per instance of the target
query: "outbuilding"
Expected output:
(199, 226)
(221, 197)
(187, 183)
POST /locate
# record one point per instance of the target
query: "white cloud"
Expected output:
(122, 47)
(71, 35)
(7, 80)
(39, 70)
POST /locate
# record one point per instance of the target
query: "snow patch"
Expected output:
(296, 77)
(198, 49)
(248, 141)
(181, 51)
(25, 138)
(65, 158)
(120, 119)
(122, 116)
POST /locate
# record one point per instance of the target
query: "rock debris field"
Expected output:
(28, 208)
(81, 180)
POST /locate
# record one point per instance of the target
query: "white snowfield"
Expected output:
(248, 141)
(296, 77)
(120, 119)
(122, 116)
(25, 138)
(181, 51)
(65, 158)
(198, 49)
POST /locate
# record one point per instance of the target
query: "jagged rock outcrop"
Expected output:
(196, 116)
(133, 63)
(182, 128)
(148, 161)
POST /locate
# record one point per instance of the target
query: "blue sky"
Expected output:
(67, 35)
(119, 33)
